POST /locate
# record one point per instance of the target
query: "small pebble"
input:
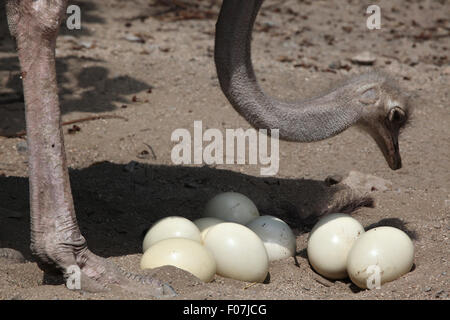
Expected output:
(364, 58)
(333, 179)
(144, 154)
(134, 38)
(87, 44)
(441, 294)
(22, 146)
(446, 70)
(270, 24)
(131, 166)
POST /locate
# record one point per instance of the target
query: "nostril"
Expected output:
(396, 115)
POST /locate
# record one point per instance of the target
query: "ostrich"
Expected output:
(370, 101)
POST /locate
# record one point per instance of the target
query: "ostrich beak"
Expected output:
(391, 151)
(386, 138)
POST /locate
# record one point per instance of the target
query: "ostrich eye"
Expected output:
(397, 115)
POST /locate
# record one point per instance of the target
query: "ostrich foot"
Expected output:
(100, 275)
(91, 273)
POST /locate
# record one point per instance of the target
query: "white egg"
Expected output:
(204, 224)
(231, 207)
(171, 227)
(380, 255)
(239, 252)
(329, 243)
(276, 235)
(182, 253)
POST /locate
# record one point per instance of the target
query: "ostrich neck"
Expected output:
(304, 121)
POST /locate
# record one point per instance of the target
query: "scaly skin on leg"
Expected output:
(55, 237)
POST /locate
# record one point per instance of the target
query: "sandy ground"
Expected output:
(166, 80)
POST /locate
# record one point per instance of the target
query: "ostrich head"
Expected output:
(385, 110)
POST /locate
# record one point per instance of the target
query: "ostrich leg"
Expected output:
(55, 237)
